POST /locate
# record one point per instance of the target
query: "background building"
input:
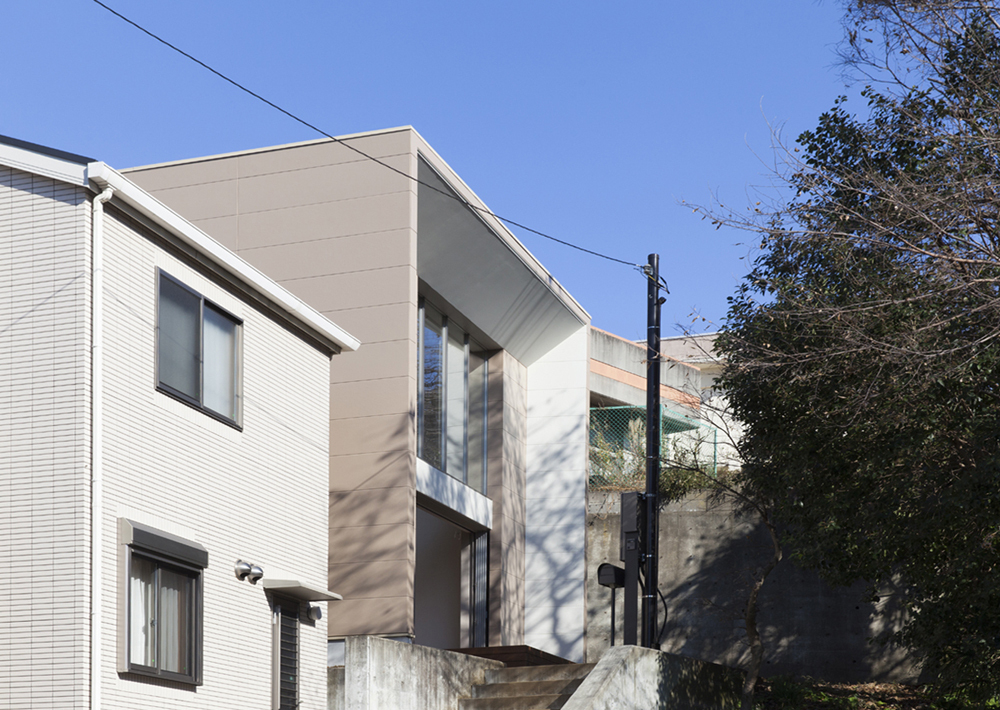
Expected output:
(458, 443)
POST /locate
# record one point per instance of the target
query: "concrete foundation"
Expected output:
(707, 555)
(633, 678)
(380, 674)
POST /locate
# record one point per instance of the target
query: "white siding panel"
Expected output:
(258, 494)
(556, 494)
(44, 455)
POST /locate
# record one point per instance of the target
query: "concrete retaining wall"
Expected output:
(380, 674)
(633, 678)
(706, 555)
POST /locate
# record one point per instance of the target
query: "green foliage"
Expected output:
(864, 357)
(618, 452)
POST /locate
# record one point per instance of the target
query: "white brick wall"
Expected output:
(556, 499)
(44, 454)
(259, 494)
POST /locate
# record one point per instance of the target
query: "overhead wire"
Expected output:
(367, 156)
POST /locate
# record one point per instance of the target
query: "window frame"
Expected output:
(467, 349)
(285, 607)
(174, 554)
(197, 402)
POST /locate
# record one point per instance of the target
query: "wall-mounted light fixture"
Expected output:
(247, 571)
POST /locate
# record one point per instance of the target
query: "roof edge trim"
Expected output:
(52, 166)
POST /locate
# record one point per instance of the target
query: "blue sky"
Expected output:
(586, 120)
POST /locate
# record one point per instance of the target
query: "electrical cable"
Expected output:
(360, 152)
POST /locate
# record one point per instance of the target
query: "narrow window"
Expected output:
(286, 654)
(432, 384)
(197, 350)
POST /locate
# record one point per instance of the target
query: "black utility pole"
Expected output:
(650, 637)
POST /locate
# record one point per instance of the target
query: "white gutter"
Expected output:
(96, 443)
(135, 197)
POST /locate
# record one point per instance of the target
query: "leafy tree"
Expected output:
(864, 347)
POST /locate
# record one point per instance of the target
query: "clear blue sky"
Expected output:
(586, 120)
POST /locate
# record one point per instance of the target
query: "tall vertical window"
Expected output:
(161, 634)
(197, 350)
(286, 654)
(451, 399)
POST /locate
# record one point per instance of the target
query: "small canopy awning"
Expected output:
(299, 590)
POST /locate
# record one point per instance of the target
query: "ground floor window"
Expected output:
(286, 653)
(162, 609)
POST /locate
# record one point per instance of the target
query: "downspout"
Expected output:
(96, 443)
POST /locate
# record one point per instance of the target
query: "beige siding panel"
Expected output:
(330, 219)
(315, 154)
(198, 202)
(320, 184)
(377, 324)
(358, 289)
(380, 470)
(372, 579)
(371, 543)
(200, 172)
(374, 360)
(363, 253)
(384, 506)
(390, 432)
(224, 230)
(44, 442)
(355, 617)
(372, 397)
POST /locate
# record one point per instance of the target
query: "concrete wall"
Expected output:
(618, 375)
(555, 536)
(633, 678)
(706, 551)
(44, 442)
(339, 231)
(253, 494)
(389, 675)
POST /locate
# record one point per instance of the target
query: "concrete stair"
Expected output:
(527, 688)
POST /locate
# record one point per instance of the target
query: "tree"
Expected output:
(863, 348)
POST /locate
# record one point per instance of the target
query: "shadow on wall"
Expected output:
(707, 556)
(555, 544)
(372, 537)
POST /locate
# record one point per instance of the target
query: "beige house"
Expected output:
(163, 415)
(458, 432)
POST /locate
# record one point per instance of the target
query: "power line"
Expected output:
(360, 152)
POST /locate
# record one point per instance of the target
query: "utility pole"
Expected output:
(650, 637)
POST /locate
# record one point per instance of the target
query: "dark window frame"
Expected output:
(171, 553)
(286, 651)
(197, 402)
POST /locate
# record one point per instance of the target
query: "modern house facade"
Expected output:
(458, 434)
(163, 415)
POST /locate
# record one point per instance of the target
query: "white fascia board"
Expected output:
(40, 164)
(454, 495)
(104, 176)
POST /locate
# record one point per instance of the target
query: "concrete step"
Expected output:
(519, 702)
(562, 686)
(532, 673)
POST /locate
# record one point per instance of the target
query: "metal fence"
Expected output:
(618, 446)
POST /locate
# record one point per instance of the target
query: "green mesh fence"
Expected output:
(618, 446)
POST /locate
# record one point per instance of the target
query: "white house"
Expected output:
(164, 415)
